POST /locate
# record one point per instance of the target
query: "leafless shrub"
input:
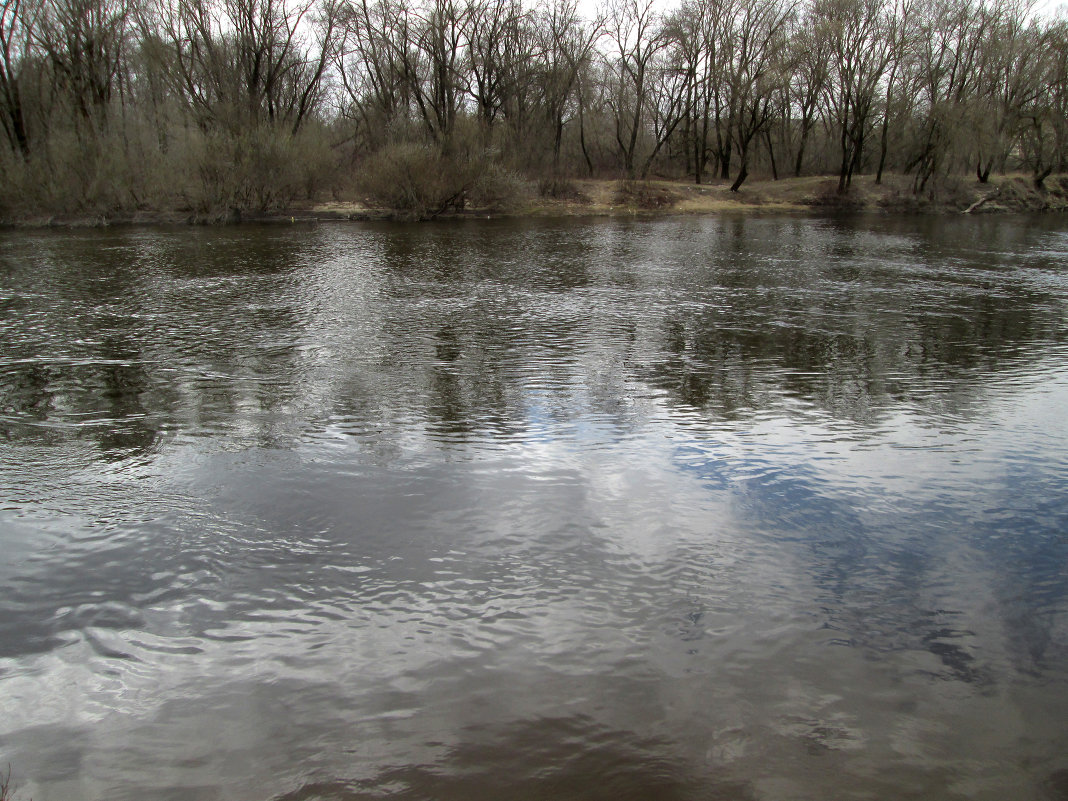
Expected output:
(261, 169)
(414, 180)
(1057, 186)
(560, 188)
(644, 195)
(827, 196)
(498, 189)
(421, 182)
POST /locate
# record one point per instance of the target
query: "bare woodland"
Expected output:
(217, 106)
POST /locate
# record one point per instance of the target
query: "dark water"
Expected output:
(676, 509)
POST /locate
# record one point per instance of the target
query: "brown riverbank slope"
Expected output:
(816, 194)
(577, 197)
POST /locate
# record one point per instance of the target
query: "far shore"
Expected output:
(813, 195)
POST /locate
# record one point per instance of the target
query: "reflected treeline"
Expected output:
(479, 330)
(121, 336)
(854, 326)
(538, 759)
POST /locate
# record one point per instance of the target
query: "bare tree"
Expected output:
(899, 34)
(860, 52)
(243, 63)
(84, 41)
(1056, 81)
(1038, 115)
(1009, 84)
(941, 70)
(809, 70)
(494, 44)
(670, 95)
(507, 54)
(717, 98)
(434, 67)
(567, 44)
(16, 42)
(703, 47)
(369, 62)
(636, 36)
(758, 77)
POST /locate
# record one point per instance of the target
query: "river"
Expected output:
(680, 508)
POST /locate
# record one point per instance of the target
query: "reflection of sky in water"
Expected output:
(652, 502)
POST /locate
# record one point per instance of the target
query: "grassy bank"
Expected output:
(577, 197)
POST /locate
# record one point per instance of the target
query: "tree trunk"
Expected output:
(771, 155)
(800, 154)
(17, 121)
(701, 154)
(557, 140)
(687, 138)
(882, 148)
(582, 139)
(742, 175)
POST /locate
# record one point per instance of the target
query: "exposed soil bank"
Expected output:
(817, 194)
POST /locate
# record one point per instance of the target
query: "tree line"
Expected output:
(111, 105)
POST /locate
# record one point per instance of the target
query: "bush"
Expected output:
(560, 188)
(421, 182)
(644, 195)
(253, 170)
(71, 174)
(414, 180)
(827, 196)
(498, 189)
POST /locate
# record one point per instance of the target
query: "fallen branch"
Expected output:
(981, 201)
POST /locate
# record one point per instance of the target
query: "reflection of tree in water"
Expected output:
(468, 393)
(489, 299)
(454, 395)
(547, 758)
(78, 373)
(25, 395)
(847, 319)
(437, 260)
(849, 354)
(141, 335)
(132, 427)
(100, 400)
(856, 338)
(471, 350)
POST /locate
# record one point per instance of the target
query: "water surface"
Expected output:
(754, 508)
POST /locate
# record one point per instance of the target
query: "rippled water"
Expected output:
(753, 508)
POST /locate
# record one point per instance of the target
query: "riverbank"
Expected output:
(811, 195)
(615, 198)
